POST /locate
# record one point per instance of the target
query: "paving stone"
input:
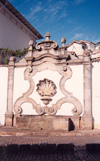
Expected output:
(34, 147)
(43, 147)
(12, 148)
(80, 152)
(71, 148)
(62, 147)
(93, 147)
(0, 148)
(25, 147)
(52, 147)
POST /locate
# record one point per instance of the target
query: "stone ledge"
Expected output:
(43, 122)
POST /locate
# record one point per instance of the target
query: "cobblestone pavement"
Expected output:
(80, 153)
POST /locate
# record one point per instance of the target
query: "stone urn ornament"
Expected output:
(47, 89)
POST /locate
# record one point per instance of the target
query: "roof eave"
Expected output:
(14, 11)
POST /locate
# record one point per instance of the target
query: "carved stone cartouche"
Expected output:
(46, 88)
(48, 56)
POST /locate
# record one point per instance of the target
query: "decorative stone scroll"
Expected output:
(48, 56)
(66, 73)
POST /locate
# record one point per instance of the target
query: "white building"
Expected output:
(15, 30)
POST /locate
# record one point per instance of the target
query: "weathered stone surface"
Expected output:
(8, 119)
(66, 74)
(10, 85)
(43, 122)
(46, 89)
(76, 122)
(87, 116)
(87, 122)
(48, 56)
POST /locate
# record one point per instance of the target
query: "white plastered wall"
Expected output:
(11, 35)
(73, 85)
(3, 92)
(77, 48)
(96, 94)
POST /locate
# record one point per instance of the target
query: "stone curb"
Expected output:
(35, 134)
(66, 147)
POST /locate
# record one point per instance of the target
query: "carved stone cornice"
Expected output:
(48, 49)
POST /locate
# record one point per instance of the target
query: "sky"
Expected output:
(72, 19)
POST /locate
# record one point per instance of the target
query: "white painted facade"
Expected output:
(3, 93)
(14, 32)
(96, 93)
(18, 39)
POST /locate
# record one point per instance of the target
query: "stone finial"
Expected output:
(30, 47)
(31, 43)
(47, 35)
(63, 41)
(29, 56)
(86, 53)
(12, 60)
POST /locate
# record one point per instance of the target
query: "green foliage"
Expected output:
(6, 53)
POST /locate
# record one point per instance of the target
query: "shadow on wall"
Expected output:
(93, 120)
(71, 125)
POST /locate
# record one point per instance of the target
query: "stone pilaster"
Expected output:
(87, 116)
(76, 120)
(9, 109)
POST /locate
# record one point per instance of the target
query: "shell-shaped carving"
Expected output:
(46, 88)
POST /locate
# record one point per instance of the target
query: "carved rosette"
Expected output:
(47, 89)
